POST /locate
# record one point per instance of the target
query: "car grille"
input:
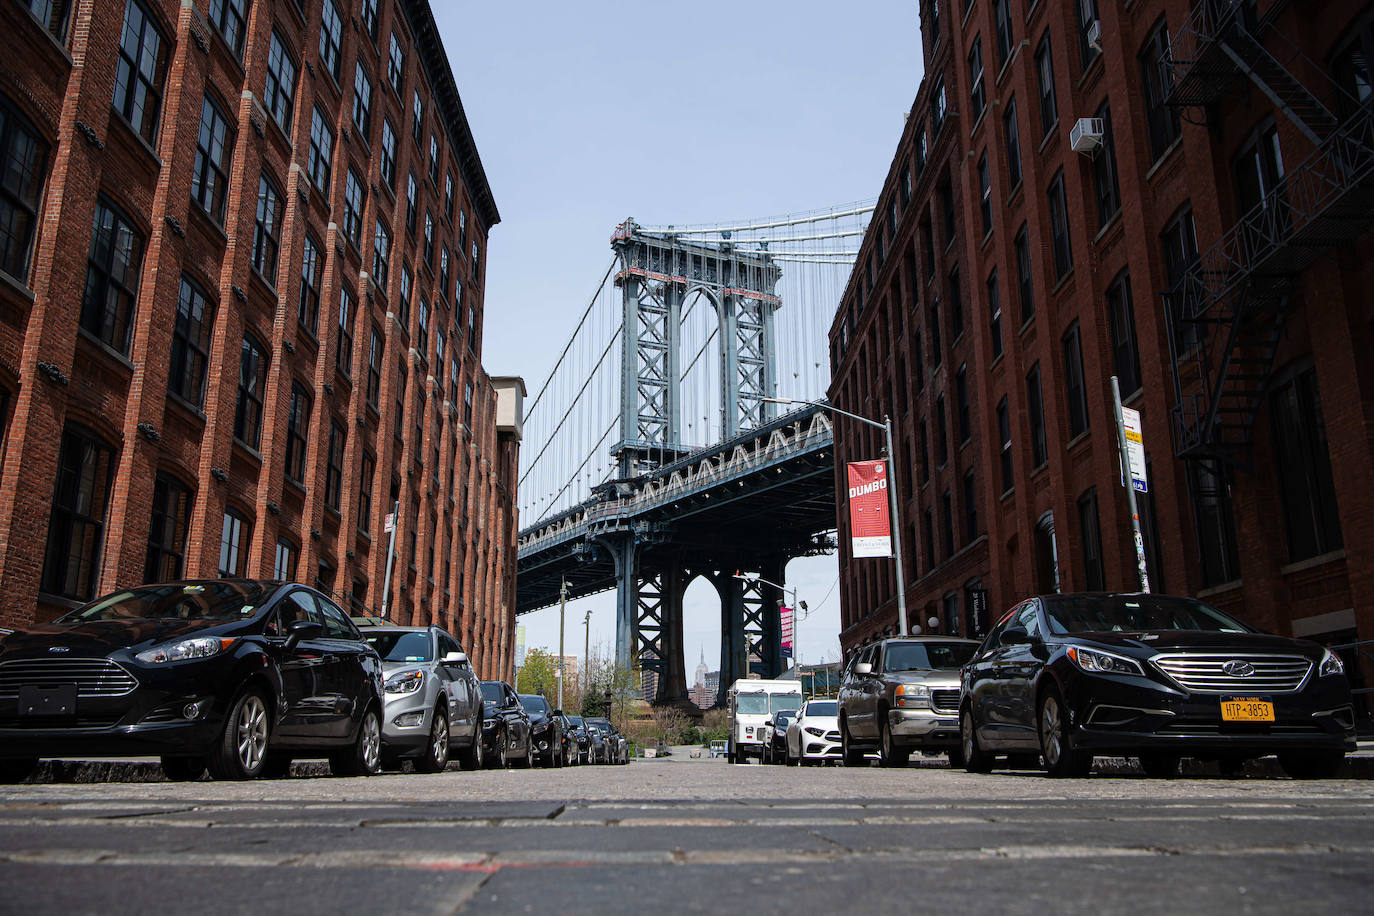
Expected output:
(94, 677)
(62, 723)
(1201, 673)
(945, 699)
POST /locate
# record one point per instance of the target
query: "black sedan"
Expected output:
(231, 674)
(546, 730)
(505, 726)
(1154, 677)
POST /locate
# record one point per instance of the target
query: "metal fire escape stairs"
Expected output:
(1226, 315)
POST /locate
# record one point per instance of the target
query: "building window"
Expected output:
(280, 84)
(429, 241)
(1059, 227)
(191, 343)
(354, 199)
(381, 256)
(1216, 527)
(107, 305)
(228, 18)
(422, 329)
(374, 368)
(941, 432)
(76, 527)
(936, 350)
(1258, 170)
(434, 159)
(333, 475)
(369, 17)
(395, 66)
(403, 307)
(1074, 388)
(970, 508)
(1180, 253)
(1044, 68)
(1035, 410)
(1012, 132)
(284, 564)
(937, 117)
(462, 230)
(947, 523)
(1025, 286)
(308, 307)
(297, 429)
(978, 96)
(1303, 467)
(417, 128)
(956, 304)
(448, 197)
(343, 347)
(267, 230)
(233, 545)
(928, 530)
(210, 181)
(922, 148)
(252, 385)
(167, 531)
(1087, 15)
(369, 465)
(962, 405)
(1161, 119)
(467, 405)
(388, 164)
(331, 39)
(1104, 171)
(54, 15)
(1121, 323)
(1004, 456)
(1094, 578)
(985, 193)
(947, 208)
(995, 314)
(321, 149)
(411, 191)
(402, 377)
(362, 102)
(443, 271)
(440, 343)
(140, 71)
(23, 161)
(906, 186)
(1001, 15)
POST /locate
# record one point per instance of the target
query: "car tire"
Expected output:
(183, 769)
(891, 754)
(472, 756)
(17, 770)
(241, 751)
(278, 766)
(1319, 764)
(434, 759)
(975, 759)
(1062, 760)
(499, 759)
(852, 756)
(526, 762)
(1160, 766)
(364, 756)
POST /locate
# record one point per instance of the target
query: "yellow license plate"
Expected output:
(1246, 709)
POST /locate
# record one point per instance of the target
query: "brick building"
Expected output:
(1005, 278)
(241, 304)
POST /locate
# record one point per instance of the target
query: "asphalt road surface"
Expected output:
(690, 835)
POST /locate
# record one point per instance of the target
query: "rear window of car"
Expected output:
(401, 647)
(493, 693)
(534, 703)
(222, 601)
(926, 656)
(1135, 614)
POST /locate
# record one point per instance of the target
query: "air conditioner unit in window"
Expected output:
(1086, 135)
(1095, 35)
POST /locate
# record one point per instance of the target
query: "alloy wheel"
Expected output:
(372, 743)
(250, 733)
(1051, 721)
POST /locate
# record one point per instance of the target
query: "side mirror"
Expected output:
(558, 713)
(768, 722)
(303, 629)
(1015, 636)
(456, 658)
(863, 669)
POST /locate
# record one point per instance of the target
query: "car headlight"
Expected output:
(405, 682)
(1331, 664)
(185, 649)
(1098, 662)
(814, 732)
(913, 695)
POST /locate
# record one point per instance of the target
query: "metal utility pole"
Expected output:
(1123, 448)
(562, 607)
(390, 556)
(587, 648)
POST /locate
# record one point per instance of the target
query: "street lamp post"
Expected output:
(796, 606)
(886, 427)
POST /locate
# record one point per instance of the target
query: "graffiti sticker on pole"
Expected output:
(869, 521)
(1135, 449)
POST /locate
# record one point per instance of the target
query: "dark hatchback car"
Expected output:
(235, 675)
(775, 750)
(577, 730)
(1154, 677)
(505, 726)
(546, 730)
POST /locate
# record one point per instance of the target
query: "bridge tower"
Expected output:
(657, 272)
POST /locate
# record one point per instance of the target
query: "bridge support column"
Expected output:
(672, 678)
(734, 648)
(625, 553)
(770, 618)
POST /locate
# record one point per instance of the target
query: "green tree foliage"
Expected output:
(537, 674)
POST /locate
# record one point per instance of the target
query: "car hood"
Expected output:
(824, 723)
(1147, 643)
(97, 638)
(393, 667)
(948, 677)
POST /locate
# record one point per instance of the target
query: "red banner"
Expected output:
(870, 526)
(787, 618)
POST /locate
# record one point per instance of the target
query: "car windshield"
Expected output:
(534, 703)
(603, 724)
(576, 721)
(1133, 614)
(751, 704)
(822, 708)
(493, 693)
(777, 702)
(398, 646)
(924, 656)
(223, 601)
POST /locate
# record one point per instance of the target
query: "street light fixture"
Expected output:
(886, 427)
(797, 605)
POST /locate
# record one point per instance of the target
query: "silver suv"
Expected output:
(433, 699)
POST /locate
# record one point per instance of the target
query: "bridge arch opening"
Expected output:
(700, 376)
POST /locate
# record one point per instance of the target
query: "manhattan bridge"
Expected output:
(662, 447)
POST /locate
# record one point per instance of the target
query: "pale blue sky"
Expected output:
(588, 112)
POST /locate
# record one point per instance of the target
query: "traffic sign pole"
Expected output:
(1128, 480)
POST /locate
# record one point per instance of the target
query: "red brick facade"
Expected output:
(61, 373)
(884, 327)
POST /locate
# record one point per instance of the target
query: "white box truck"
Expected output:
(752, 703)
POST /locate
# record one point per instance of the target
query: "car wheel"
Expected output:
(498, 759)
(1062, 760)
(1322, 764)
(975, 759)
(183, 769)
(472, 757)
(364, 758)
(241, 750)
(435, 757)
(277, 766)
(787, 757)
(892, 755)
(527, 761)
(852, 756)
(13, 771)
(1159, 766)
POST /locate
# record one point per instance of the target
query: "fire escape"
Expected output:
(1226, 314)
